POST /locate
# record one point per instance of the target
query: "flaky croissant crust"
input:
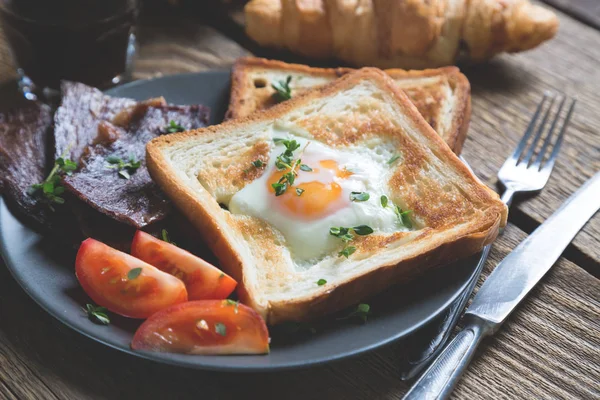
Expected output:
(400, 33)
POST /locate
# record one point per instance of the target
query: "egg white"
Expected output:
(309, 241)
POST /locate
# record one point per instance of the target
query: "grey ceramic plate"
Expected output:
(46, 273)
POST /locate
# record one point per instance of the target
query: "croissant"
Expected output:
(400, 33)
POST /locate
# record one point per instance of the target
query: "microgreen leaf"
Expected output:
(299, 191)
(346, 235)
(347, 251)
(285, 161)
(403, 217)
(125, 169)
(280, 188)
(165, 237)
(258, 163)
(321, 282)
(97, 314)
(221, 329)
(384, 201)
(362, 311)
(134, 273)
(306, 168)
(113, 159)
(394, 158)
(282, 89)
(51, 187)
(359, 196)
(174, 127)
(234, 303)
(362, 230)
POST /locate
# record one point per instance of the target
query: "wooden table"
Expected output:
(549, 348)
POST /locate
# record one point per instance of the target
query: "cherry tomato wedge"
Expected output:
(124, 284)
(204, 327)
(202, 280)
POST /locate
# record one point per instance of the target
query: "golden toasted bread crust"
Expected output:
(205, 214)
(246, 98)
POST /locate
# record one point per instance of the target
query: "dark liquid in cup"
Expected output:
(78, 40)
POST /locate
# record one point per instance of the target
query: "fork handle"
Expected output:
(438, 381)
(507, 196)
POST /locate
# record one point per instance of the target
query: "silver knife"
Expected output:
(504, 289)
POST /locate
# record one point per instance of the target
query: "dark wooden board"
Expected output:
(587, 11)
(505, 93)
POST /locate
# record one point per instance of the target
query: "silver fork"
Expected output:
(525, 170)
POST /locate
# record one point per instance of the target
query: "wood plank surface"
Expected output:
(587, 11)
(547, 350)
(505, 93)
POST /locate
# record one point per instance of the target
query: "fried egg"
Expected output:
(321, 196)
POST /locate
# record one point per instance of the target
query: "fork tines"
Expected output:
(532, 153)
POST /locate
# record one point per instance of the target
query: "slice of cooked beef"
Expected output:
(25, 159)
(76, 120)
(136, 201)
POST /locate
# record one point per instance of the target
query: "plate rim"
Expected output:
(197, 362)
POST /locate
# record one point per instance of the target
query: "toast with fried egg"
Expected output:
(373, 196)
(442, 95)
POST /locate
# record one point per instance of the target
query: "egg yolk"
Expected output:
(318, 198)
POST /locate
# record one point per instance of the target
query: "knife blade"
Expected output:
(523, 268)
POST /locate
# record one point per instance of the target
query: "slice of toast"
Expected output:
(442, 96)
(365, 117)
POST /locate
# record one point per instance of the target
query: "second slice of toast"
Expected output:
(378, 198)
(442, 95)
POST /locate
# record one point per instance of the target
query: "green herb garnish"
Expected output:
(51, 188)
(299, 191)
(347, 251)
(282, 89)
(258, 163)
(97, 314)
(221, 329)
(134, 273)
(174, 127)
(165, 237)
(321, 282)
(362, 230)
(359, 196)
(285, 161)
(403, 217)
(306, 168)
(384, 201)
(125, 168)
(346, 234)
(234, 303)
(394, 158)
(361, 311)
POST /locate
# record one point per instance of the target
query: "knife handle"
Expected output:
(438, 381)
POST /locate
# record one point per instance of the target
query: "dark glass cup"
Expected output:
(89, 41)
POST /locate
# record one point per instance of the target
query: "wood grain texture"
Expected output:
(175, 44)
(547, 350)
(7, 68)
(587, 11)
(505, 93)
